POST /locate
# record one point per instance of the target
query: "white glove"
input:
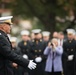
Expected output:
(70, 57)
(38, 59)
(25, 56)
(31, 65)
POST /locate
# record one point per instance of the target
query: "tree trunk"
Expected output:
(48, 20)
(49, 23)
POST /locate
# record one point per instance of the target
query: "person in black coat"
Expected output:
(6, 53)
(17, 69)
(36, 53)
(24, 46)
(24, 43)
(69, 51)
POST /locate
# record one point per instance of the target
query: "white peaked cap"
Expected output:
(13, 39)
(45, 33)
(36, 31)
(71, 31)
(25, 32)
(6, 19)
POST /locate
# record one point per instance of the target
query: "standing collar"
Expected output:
(71, 40)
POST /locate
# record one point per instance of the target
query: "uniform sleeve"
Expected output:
(18, 51)
(19, 45)
(30, 51)
(5, 51)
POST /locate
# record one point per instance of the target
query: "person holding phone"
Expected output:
(54, 55)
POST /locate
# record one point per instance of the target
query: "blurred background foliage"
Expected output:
(51, 15)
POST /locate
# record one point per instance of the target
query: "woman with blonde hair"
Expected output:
(54, 59)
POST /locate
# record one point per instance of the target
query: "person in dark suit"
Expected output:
(6, 53)
(69, 51)
(36, 53)
(60, 38)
